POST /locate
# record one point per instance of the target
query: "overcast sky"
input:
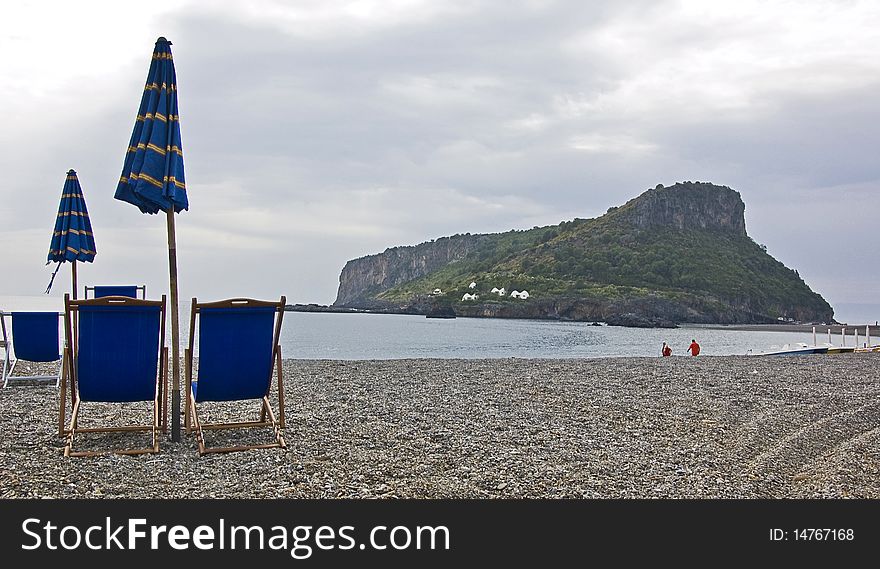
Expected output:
(315, 132)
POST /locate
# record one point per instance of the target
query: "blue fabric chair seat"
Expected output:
(118, 352)
(35, 336)
(116, 290)
(235, 353)
(34, 339)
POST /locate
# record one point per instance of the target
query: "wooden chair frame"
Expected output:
(267, 416)
(160, 410)
(4, 343)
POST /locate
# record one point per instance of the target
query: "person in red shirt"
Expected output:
(666, 351)
(694, 348)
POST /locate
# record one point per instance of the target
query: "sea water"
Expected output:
(320, 335)
(391, 336)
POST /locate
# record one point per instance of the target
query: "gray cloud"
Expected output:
(327, 131)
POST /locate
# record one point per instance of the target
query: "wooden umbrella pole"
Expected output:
(75, 334)
(175, 335)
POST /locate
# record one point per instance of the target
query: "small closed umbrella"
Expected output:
(152, 179)
(72, 239)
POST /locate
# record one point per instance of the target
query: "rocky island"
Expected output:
(677, 254)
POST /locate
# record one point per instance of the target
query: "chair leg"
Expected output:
(68, 448)
(62, 394)
(9, 373)
(187, 358)
(5, 346)
(157, 406)
(276, 426)
(160, 392)
(200, 436)
(72, 384)
(280, 373)
(164, 383)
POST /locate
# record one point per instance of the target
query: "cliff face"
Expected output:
(690, 206)
(626, 265)
(365, 277)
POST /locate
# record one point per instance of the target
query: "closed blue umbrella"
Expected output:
(152, 175)
(72, 239)
(152, 178)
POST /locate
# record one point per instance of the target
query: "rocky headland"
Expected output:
(678, 254)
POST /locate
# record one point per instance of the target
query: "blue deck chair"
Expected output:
(119, 356)
(238, 349)
(35, 338)
(98, 291)
(131, 291)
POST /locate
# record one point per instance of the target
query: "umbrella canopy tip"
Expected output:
(71, 172)
(163, 40)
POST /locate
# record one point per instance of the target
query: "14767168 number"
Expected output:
(814, 534)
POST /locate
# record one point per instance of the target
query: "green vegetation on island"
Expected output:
(679, 253)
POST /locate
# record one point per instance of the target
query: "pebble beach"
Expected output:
(679, 427)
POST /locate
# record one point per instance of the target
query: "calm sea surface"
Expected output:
(389, 336)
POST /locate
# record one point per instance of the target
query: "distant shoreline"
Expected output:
(326, 308)
(788, 327)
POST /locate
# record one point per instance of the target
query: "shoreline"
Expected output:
(787, 327)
